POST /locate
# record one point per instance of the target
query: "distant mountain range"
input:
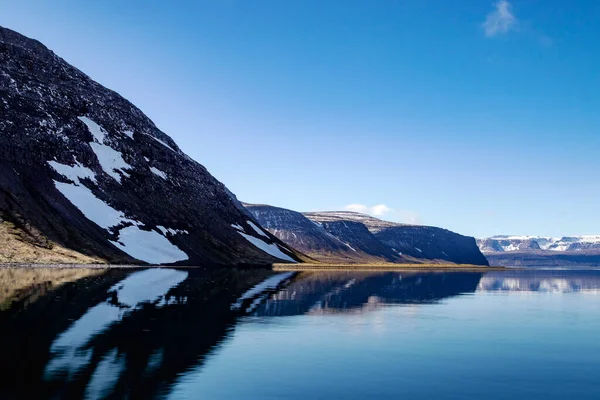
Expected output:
(84, 174)
(342, 236)
(540, 251)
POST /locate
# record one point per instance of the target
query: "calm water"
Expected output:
(194, 334)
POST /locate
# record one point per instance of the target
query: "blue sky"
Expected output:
(477, 116)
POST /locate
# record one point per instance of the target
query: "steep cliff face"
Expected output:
(424, 242)
(89, 171)
(361, 240)
(432, 243)
(329, 242)
(341, 236)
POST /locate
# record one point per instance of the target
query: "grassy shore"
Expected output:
(383, 267)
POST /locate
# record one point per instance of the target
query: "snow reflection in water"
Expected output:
(70, 351)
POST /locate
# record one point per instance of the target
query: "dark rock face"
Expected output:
(433, 243)
(413, 240)
(362, 240)
(341, 236)
(87, 169)
(329, 242)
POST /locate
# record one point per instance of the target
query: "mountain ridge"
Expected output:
(542, 251)
(386, 241)
(416, 241)
(316, 240)
(86, 169)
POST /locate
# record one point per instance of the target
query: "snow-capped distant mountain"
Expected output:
(523, 243)
(540, 251)
(82, 167)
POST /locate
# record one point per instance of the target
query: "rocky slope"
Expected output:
(539, 251)
(422, 242)
(328, 241)
(341, 236)
(83, 168)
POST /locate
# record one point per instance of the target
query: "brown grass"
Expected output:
(16, 248)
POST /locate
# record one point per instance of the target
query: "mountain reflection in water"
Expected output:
(331, 292)
(135, 333)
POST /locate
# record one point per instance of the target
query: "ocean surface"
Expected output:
(257, 334)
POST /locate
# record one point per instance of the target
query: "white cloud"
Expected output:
(380, 210)
(408, 217)
(377, 210)
(361, 208)
(500, 21)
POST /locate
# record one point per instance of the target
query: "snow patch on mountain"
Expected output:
(161, 142)
(158, 173)
(257, 229)
(96, 130)
(92, 207)
(110, 160)
(268, 248)
(148, 246)
(238, 227)
(73, 172)
(171, 231)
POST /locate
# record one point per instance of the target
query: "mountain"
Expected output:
(336, 241)
(423, 242)
(343, 236)
(372, 223)
(516, 243)
(540, 251)
(82, 168)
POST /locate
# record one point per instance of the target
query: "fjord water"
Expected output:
(240, 334)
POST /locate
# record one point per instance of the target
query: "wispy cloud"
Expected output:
(381, 210)
(500, 20)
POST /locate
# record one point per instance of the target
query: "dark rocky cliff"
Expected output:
(432, 243)
(82, 167)
(356, 235)
(422, 242)
(329, 242)
(341, 236)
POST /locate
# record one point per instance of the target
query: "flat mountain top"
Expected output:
(374, 224)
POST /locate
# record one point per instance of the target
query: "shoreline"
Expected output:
(386, 267)
(280, 267)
